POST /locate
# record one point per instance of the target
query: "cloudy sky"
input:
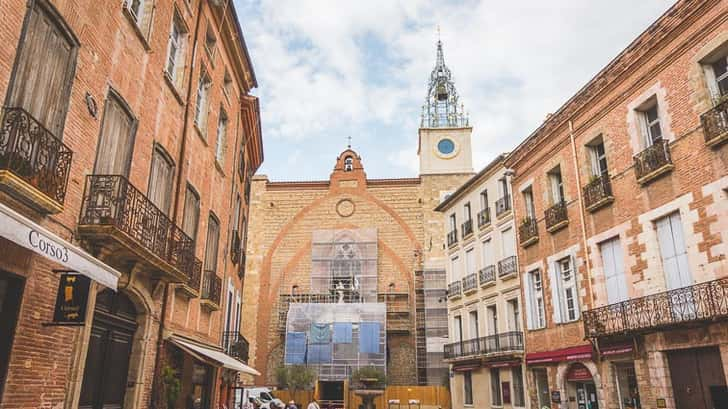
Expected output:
(330, 69)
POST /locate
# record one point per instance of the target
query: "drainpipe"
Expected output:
(582, 210)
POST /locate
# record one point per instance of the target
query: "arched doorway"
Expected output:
(580, 385)
(109, 350)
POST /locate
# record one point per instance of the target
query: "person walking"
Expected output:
(313, 405)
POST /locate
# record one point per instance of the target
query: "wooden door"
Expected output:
(116, 143)
(694, 372)
(11, 295)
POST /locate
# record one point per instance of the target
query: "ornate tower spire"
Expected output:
(442, 108)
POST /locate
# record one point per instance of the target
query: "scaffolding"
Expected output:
(336, 339)
(431, 320)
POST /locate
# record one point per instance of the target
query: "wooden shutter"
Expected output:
(160, 181)
(530, 302)
(673, 251)
(44, 71)
(191, 214)
(614, 273)
(213, 237)
(116, 142)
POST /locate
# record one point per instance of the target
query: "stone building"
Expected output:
(127, 144)
(621, 198)
(484, 298)
(302, 233)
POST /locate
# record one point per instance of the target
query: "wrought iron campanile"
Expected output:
(442, 108)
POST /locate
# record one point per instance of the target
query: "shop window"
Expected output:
(468, 388)
(496, 397)
(541, 380)
(519, 396)
(625, 379)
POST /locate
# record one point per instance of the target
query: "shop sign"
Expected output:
(71, 299)
(578, 373)
(556, 396)
(661, 403)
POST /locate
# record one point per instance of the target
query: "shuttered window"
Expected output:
(213, 238)
(44, 69)
(177, 50)
(117, 139)
(191, 214)
(673, 251)
(221, 137)
(160, 180)
(508, 242)
(202, 103)
(614, 274)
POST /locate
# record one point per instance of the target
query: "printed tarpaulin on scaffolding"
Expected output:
(336, 338)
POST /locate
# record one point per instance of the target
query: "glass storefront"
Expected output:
(625, 381)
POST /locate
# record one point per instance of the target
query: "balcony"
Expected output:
(487, 276)
(483, 217)
(507, 343)
(241, 265)
(454, 290)
(528, 232)
(508, 267)
(704, 302)
(467, 227)
(598, 193)
(503, 206)
(470, 283)
(715, 124)
(235, 345)
(211, 289)
(235, 248)
(191, 287)
(452, 238)
(557, 217)
(130, 229)
(34, 163)
(653, 162)
(398, 311)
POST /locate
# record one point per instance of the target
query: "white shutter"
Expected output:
(530, 310)
(672, 249)
(488, 253)
(555, 293)
(507, 242)
(681, 253)
(614, 271)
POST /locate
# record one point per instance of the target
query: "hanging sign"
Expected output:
(71, 299)
(556, 396)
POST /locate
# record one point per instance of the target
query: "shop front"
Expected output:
(565, 378)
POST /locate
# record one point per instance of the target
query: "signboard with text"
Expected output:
(71, 299)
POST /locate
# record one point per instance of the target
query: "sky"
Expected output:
(328, 70)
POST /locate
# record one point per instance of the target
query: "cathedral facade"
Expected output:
(374, 243)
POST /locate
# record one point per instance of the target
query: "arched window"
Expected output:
(348, 164)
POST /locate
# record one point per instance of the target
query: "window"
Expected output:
(528, 203)
(241, 162)
(455, 269)
(514, 314)
(651, 129)
(202, 104)
(474, 326)
(227, 84)
(540, 378)
(488, 259)
(466, 212)
(557, 185)
(44, 69)
(673, 251)
(176, 53)
(716, 72)
(470, 262)
(611, 251)
(495, 387)
(503, 186)
(508, 243)
(598, 157)
(468, 388)
(191, 213)
(453, 222)
(564, 291)
(113, 154)
(483, 200)
(519, 397)
(348, 164)
(213, 238)
(534, 301)
(236, 212)
(210, 42)
(140, 12)
(491, 312)
(458, 328)
(161, 178)
(221, 131)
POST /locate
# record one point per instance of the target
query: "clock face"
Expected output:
(446, 146)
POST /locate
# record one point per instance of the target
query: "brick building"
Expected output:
(127, 144)
(484, 298)
(621, 201)
(353, 239)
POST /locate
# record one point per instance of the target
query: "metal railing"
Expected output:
(715, 121)
(235, 345)
(599, 189)
(487, 275)
(34, 154)
(195, 278)
(505, 342)
(454, 289)
(467, 227)
(211, 287)
(110, 200)
(452, 238)
(507, 266)
(700, 302)
(556, 214)
(503, 205)
(527, 230)
(652, 159)
(470, 282)
(241, 265)
(484, 217)
(235, 248)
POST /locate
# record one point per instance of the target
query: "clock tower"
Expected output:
(445, 132)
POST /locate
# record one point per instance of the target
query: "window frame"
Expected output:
(468, 388)
(536, 295)
(221, 137)
(568, 291)
(202, 113)
(178, 63)
(158, 151)
(496, 394)
(189, 189)
(646, 125)
(528, 203)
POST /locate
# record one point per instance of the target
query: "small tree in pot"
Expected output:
(296, 378)
(369, 377)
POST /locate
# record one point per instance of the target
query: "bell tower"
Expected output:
(445, 131)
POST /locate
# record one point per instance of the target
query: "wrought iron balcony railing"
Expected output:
(598, 193)
(467, 227)
(111, 204)
(484, 217)
(235, 248)
(528, 231)
(715, 124)
(503, 205)
(487, 275)
(235, 345)
(452, 238)
(507, 266)
(34, 155)
(241, 266)
(470, 283)
(454, 289)
(556, 216)
(492, 344)
(211, 289)
(653, 161)
(700, 302)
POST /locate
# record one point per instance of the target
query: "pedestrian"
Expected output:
(313, 405)
(292, 405)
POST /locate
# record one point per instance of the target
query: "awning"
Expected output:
(29, 234)
(208, 354)
(559, 355)
(465, 368)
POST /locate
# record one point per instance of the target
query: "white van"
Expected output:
(264, 395)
